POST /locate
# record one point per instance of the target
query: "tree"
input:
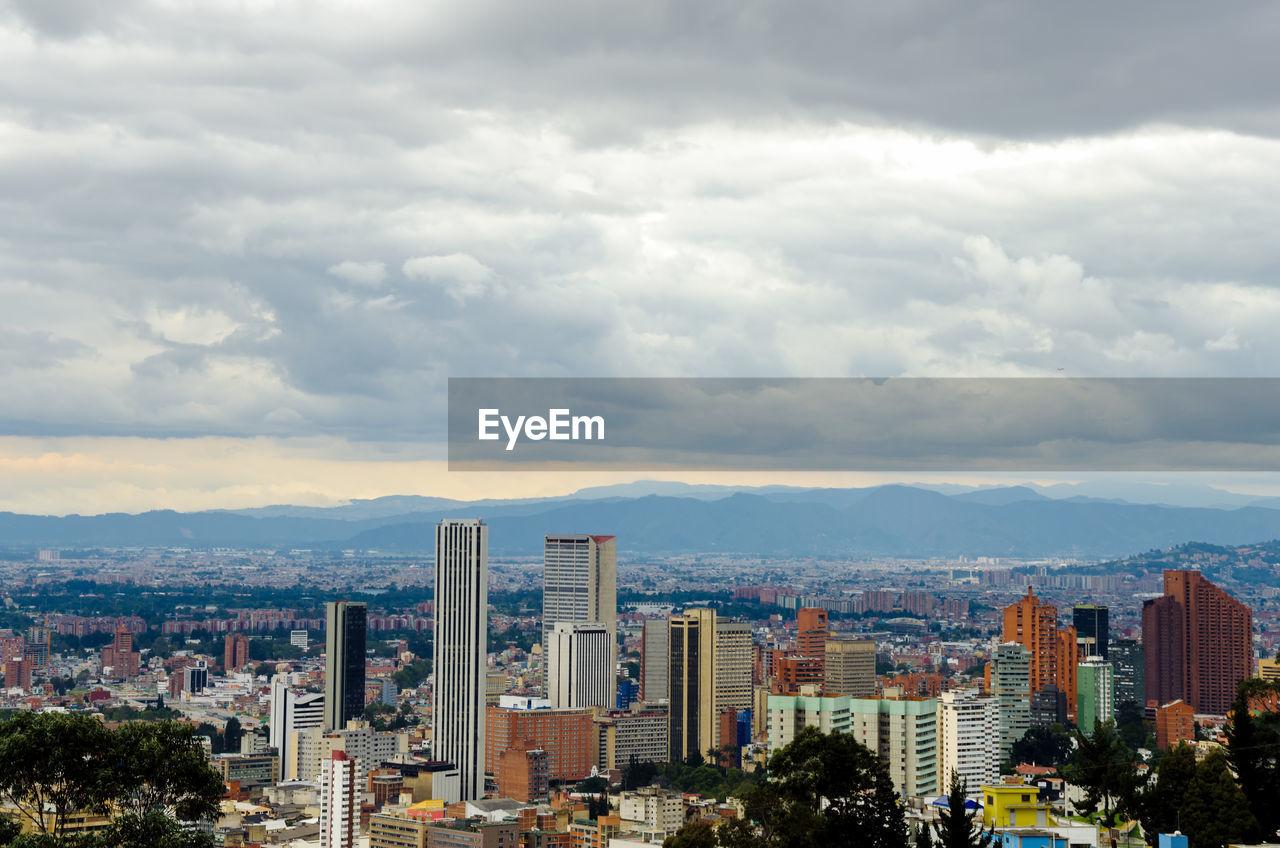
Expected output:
(160, 766)
(1253, 749)
(231, 734)
(823, 790)
(695, 834)
(54, 764)
(1107, 771)
(153, 830)
(1043, 745)
(1160, 803)
(923, 837)
(956, 823)
(1215, 811)
(1131, 724)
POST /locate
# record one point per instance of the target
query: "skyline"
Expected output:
(246, 244)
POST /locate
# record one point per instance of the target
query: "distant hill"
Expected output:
(903, 521)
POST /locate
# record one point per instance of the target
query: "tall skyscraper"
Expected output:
(339, 811)
(732, 666)
(1033, 624)
(346, 625)
(580, 586)
(1197, 643)
(850, 667)
(968, 721)
(235, 653)
(691, 683)
(653, 659)
(1011, 684)
(1130, 671)
(461, 647)
(1096, 699)
(580, 666)
(290, 712)
(1092, 630)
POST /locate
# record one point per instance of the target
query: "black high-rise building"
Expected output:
(1092, 630)
(1130, 671)
(346, 624)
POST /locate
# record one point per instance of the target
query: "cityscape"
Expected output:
(605, 424)
(591, 700)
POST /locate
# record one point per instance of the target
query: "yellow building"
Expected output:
(1269, 669)
(1013, 805)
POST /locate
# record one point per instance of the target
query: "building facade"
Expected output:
(849, 667)
(691, 684)
(461, 648)
(580, 666)
(344, 661)
(968, 722)
(1197, 644)
(580, 586)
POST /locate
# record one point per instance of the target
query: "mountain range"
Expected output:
(654, 517)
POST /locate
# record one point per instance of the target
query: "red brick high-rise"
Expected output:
(1033, 624)
(235, 654)
(1197, 644)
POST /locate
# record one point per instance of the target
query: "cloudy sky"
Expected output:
(244, 243)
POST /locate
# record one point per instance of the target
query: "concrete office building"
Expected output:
(849, 667)
(339, 807)
(461, 647)
(291, 712)
(654, 659)
(580, 586)
(904, 733)
(789, 714)
(1095, 698)
(580, 666)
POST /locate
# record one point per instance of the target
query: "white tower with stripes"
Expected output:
(461, 646)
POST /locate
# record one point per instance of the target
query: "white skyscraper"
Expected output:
(580, 666)
(290, 712)
(339, 812)
(580, 586)
(461, 645)
(653, 660)
(968, 723)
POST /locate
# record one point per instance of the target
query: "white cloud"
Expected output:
(459, 275)
(370, 273)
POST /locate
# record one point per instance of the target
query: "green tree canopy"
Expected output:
(1107, 771)
(956, 824)
(1214, 810)
(53, 764)
(1253, 749)
(823, 791)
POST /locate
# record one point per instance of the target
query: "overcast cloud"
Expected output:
(297, 219)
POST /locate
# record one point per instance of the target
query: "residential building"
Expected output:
(1011, 684)
(1096, 696)
(580, 666)
(903, 731)
(1175, 722)
(461, 645)
(789, 714)
(1130, 671)
(566, 736)
(235, 652)
(1034, 624)
(367, 747)
(638, 734)
(968, 722)
(523, 772)
(580, 586)
(120, 656)
(655, 810)
(345, 631)
(463, 833)
(812, 631)
(393, 830)
(849, 666)
(1049, 707)
(1198, 643)
(339, 807)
